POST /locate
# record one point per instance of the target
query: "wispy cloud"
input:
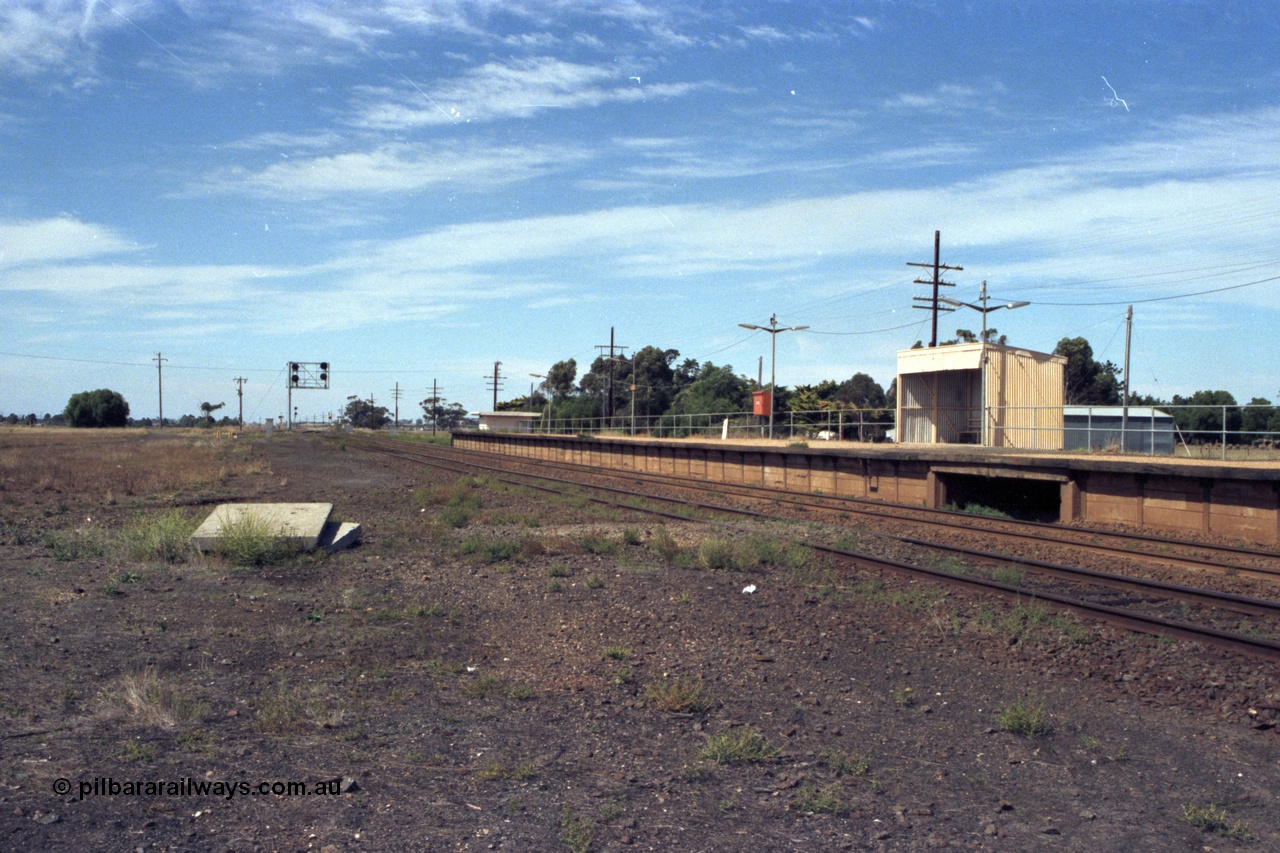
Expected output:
(393, 169)
(518, 88)
(59, 239)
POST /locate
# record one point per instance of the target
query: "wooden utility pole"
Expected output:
(160, 382)
(240, 380)
(496, 382)
(1124, 415)
(607, 408)
(937, 282)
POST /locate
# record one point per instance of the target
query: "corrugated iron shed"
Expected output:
(941, 393)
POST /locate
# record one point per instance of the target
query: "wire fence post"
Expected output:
(1224, 432)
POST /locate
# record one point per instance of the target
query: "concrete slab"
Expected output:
(340, 536)
(303, 523)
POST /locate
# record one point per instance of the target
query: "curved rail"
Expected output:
(1131, 619)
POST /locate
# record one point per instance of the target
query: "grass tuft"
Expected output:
(251, 540)
(1213, 818)
(162, 537)
(1026, 717)
(154, 701)
(827, 800)
(680, 695)
(739, 746)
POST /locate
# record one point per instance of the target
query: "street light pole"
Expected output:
(773, 329)
(547, 426)
(984, 309)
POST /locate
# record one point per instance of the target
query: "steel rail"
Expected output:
(1033, 531)
(1254, 646)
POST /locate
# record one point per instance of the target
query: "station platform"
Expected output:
(1237, 500)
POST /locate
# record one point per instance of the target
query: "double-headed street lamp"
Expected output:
(773, 329)
(984, 309)
(547, 426)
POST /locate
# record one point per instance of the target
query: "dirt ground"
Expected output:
(497, 669)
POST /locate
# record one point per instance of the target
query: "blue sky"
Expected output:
(415, 190)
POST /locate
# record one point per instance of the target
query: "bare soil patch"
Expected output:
(497, 669)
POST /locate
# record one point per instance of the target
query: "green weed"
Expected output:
(827, 800)
(163, 537)
(680, 695)
(251, 539)
(488, 550)
(738, 746)
(1212, 818)
(1025, 717)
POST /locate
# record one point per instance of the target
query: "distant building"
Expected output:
(989, 394)
(1147, 430)
(508, 421)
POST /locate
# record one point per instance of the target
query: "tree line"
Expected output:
(1093, 383)
(660, 388)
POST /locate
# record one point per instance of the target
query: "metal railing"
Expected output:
(1240, 431)
(1224, 431)
(844, 424)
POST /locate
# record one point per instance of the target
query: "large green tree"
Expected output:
(560, 378)
(443, 414)
(1089, 382)
(364, 414)
(861, 392)
(654, 378)
(101, 408)
(717, 389)
(1203, 424)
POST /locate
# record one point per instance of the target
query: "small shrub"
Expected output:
(828, 800)
(738, 746)
(576, 832)
(630, 536)
(78, 545)
(681, 695)
(715, 554)
(594, 582)
(250, 539)
(162, 537)
(665, 545)
(558, 571)
(484, 685)
(148, 698)
(1011, 575)
(132, 750)
(979, 509)
(616, 653)
(1026, 717)
(843, 764)
(489, 550)
(1212, 818)
(455, 517)
(600, 545)
(284, 710)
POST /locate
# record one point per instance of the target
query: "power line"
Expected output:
(1164, 298)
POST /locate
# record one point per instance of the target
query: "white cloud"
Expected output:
(390, 169)
(57, 239)
(519, 88)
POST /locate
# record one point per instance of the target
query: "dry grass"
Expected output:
(147, 698)
(116, 462)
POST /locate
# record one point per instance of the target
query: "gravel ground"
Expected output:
(498, 669)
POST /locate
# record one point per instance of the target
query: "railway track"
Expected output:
(1164, 551)
(1136, 603)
